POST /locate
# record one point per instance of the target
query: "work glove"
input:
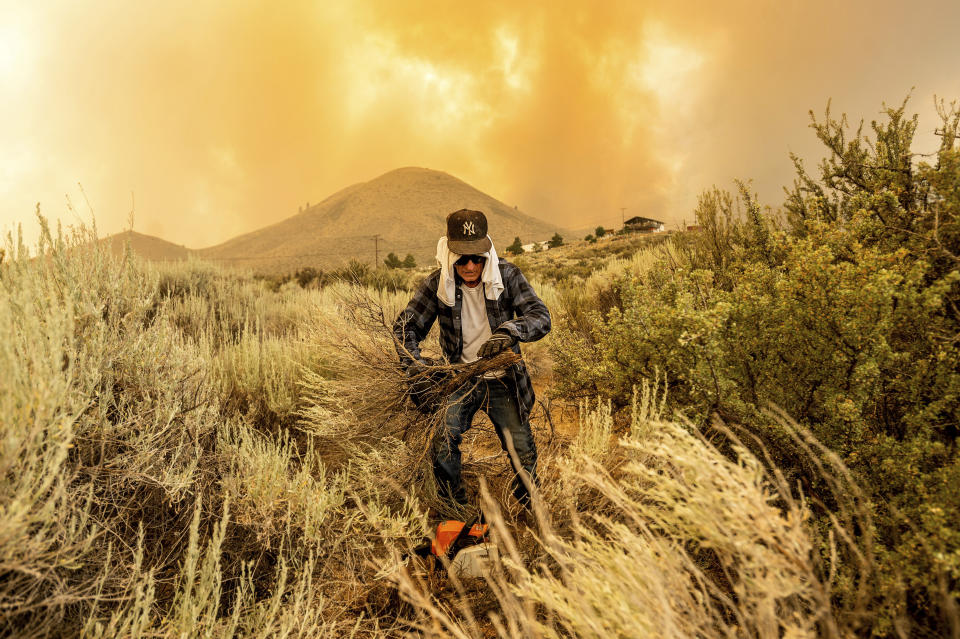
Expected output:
(499, 341)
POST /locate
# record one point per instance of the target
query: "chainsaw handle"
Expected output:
(464, 533)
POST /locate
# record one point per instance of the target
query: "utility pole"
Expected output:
(376, 251)
(623, 216)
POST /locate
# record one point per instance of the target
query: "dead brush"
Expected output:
(365, 383)
(631, 561)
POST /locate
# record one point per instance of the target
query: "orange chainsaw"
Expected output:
(451, 537)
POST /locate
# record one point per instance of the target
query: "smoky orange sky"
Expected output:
(210, 119)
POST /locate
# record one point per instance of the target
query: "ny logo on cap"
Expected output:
(469, 228)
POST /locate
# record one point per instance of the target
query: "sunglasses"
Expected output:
(476, 259)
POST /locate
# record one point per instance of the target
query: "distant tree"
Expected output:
(409, 262)
(393, 261)
(600, 232)
(537, 247)
(591, 239)
(516, 248)
(354, 272)
(272, 282)
(555, 241)
(305, 275)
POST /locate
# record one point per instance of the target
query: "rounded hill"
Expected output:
(405, 210)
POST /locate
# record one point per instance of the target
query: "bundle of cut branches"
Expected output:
(366, 394)
(435, 383)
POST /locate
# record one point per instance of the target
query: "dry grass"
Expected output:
(186, 453)
(656, 533)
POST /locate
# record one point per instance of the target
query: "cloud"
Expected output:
(226, 117)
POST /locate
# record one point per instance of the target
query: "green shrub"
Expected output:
(516, 248)
(846, 320)
(308, 275)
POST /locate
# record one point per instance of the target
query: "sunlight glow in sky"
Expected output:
(219, 118)
(666, 67)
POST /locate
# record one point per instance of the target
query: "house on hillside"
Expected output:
(643, 225)
(543, 246)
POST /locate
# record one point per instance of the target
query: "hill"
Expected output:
(405, 209)
(147, 246)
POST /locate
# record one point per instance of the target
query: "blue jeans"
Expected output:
(498, 399)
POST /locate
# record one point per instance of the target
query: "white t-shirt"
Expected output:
(474, 322)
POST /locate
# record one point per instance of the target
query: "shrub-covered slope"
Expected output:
(842, 310)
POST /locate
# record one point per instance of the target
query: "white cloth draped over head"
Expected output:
(490, 278)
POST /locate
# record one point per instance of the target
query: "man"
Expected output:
(483, 305)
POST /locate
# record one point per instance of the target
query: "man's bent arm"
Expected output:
(413, 324)
(533, 318)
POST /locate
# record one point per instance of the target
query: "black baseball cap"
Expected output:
(467, 232)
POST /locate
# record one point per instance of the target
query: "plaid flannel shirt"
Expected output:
(518, 311)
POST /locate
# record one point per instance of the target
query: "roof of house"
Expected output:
(641, 220)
